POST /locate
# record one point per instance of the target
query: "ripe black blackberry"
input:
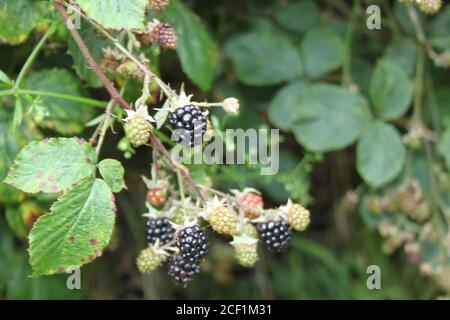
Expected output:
(182, 270)
(275, 234)
(161, 229)
(190, 123)
(192, 243)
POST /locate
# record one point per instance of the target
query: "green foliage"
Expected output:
(77, 229)
(112, 172)
(18, 18)
(52, 165)
(329, 117)
(255, 57)
(63, 116)
(196, 49)
(116, 14)
(390, 90)
(375, 165)
(322, 51)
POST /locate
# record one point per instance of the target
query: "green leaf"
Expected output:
(390, 90)
(264, 58)
(4, 78)
(66, 117)
(11, 141)
(329, 117)
(161, 116)
(52, 165)
(298, 16)
(112, 172)
(95, 44)
(380, 154)
(18, 18)
(77, 229)
(116, 14)
(403, 53)
(322, 51)
(283, 108)
(439, 29)
(195, 47)
(444, 147)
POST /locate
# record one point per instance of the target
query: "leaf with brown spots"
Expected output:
(52, 165)
(77, 229)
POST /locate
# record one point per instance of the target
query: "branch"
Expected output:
(95, 67)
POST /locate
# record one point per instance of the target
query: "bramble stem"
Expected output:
(105, 125)
(109, 86)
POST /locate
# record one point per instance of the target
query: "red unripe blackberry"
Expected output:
(182, 270)
(161, 229)
(253, 203)
(157, 197)
(190, 125)
(164, 35)
(192, 243)
(275, 234)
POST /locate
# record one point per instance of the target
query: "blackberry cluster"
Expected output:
(182, 270)
(275, 234)
(192, 243)
(161, 229)
(190, 124)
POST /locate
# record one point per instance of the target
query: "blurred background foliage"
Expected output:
(365, 126)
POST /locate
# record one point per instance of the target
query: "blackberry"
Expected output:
(275, 234)
(164, 35)
(192, 243)
(161, 229)
(190, 124)
(182, 270)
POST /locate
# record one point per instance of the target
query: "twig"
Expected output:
(105, 125)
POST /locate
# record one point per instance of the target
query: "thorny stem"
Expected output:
(87, 55)
(106, 123)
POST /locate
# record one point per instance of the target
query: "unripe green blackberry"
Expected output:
(298, 217)
(137, 130)
(246, 254)
(429, 6)
(223, 219)
(148, 260)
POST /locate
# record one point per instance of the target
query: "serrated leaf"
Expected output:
(116, 14)
(65, 117)
(112, 172)
(298, 16)
(77, 229)
(263, 58)
(444, 147)
(95, 44)
(283, 107)
(18, 18)
(195, 47)
(329, 117)
(390, 90)
(322, 51)
(52, 165)
(11, 141)
(380, 154)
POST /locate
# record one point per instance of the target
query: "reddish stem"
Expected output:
(94, 65)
